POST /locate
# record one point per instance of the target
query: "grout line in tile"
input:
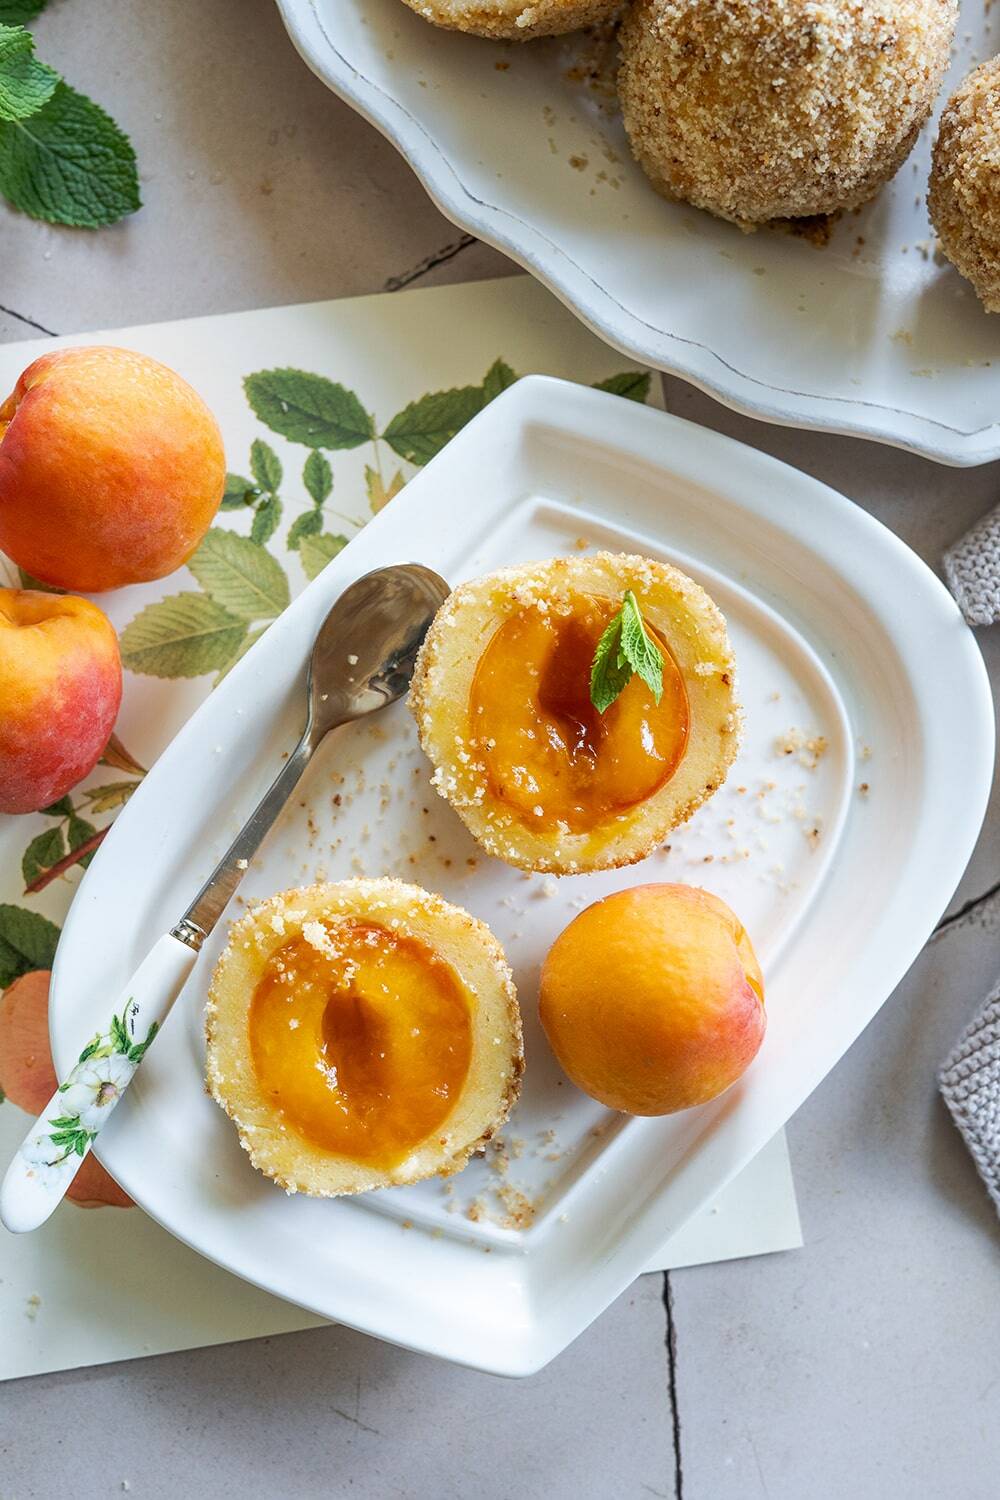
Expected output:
(675, 1416)
(968, 909)
(31, 322)
(439, 258)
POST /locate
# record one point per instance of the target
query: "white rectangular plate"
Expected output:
(868, 335)
(841, 633)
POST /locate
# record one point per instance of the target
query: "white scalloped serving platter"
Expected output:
(868, 335)
(841, 633)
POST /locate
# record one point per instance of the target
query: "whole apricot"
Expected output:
(28, 1078)
(653, 1000)
(111, 469)
(60, 688)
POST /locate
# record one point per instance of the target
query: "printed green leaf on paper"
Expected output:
(245, 580)
(632, 384)
(78, 831)
(421, 429)
(27, 941)
(316, 551)
(239, 493)
(265, 466)
(265, 520)
(60, 809)
(102, 799)
(249, 640)
(310, 523)
(69, 163)
(43, 851)
(380, 493)
(317, 476)
(497, 378)
(309, 409)
(182, 636)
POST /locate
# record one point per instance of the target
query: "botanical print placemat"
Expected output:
(327, 410)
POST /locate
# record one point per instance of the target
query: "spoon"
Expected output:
(362, 659)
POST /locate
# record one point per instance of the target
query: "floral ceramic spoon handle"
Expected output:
(61, 1137)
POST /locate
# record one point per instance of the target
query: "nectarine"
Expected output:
(111, 469)
(653, 1000)
(60, 687)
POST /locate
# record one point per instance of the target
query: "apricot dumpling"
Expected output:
(361, 1035)
(545, 777)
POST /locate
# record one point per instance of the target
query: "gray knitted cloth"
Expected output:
(970, 1078)
(972, 568)
(970, 1085)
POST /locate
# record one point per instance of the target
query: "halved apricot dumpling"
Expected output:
(501, 696)
(361, 1035)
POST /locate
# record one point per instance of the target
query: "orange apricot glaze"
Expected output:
(363, 1042)
(549, 755)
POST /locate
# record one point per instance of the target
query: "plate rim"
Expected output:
(689, 360)
(525, 405)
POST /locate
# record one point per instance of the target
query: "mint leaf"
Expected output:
(633, 384)
(239, 492)
(265, 521)
(308, 408)
(69, 163)
(623, 649)
(20, 12)
(27, 941)
(310, 523)
(316, 551)
(641, 653)
(265, 466)
(421, 429)
(182, 636)
(609, 670)
(317, 476)
(25, 83)
(240, 576)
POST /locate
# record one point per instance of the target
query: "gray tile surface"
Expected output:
(867, 1365)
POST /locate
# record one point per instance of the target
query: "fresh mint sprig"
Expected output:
(62, 159)
(625, 648)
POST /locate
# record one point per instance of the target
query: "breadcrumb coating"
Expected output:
(779, 109)
(513, 20)
(964, 195)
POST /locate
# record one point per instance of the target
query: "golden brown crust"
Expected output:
(695, 631)
(964, 194)
(493, 1080)
(515, 20)
(758, 111)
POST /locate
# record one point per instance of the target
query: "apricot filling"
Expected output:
(549, 755)
(362, 1038)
